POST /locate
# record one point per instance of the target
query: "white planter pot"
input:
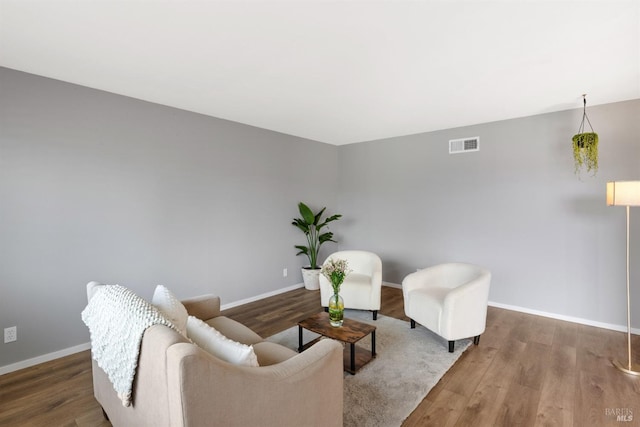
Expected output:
(311, 278)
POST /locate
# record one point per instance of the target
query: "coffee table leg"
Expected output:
(373, 344)
(353, 358)
(299, 339)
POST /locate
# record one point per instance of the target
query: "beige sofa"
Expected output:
(179, 384)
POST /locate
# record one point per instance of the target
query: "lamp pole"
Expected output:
(627, 194)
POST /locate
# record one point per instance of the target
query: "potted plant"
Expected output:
(585, 151)
(311, 224)
(585, 144)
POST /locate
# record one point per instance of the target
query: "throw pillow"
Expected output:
(212, 341)
(171, 307)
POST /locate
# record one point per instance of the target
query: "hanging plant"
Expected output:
(585, 151)
(585, 145)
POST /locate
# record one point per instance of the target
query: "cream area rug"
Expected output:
(408, 363)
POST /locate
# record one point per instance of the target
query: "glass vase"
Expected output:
(336, 310)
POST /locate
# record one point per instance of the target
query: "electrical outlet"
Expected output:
(284, 272)
(10, 334)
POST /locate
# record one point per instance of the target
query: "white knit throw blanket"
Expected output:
(117, 318)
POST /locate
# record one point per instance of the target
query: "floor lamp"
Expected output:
(625, 193)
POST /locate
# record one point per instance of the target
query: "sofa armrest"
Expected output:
(150, 399)
(92, 288)
(376, 288)
(305, 389)
(414, 281)
(464, 311)
(204, 307)
(469, 296)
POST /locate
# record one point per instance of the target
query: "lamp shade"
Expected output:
(623, 193)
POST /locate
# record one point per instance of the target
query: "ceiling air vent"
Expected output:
(464, 145)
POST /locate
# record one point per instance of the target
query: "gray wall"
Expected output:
(515, 206)
(95, 186)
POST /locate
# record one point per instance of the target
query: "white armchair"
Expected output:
(362, 287)
(448, 299)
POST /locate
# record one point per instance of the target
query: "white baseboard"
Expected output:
(392, 285)
(261, 296)
(44, 358)
(579, 320)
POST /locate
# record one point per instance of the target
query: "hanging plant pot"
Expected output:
(585, 152)
(585, 145)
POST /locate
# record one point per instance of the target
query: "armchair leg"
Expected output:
(451, 346)
(413, 324)
(375, 314)
(476, 339)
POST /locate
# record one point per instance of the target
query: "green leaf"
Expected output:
(328, 220)
(318, 216)
(333, 218)
(303, 250)
(326, 237)
(301, 225)
(306, 213)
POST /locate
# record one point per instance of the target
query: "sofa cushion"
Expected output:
(211, 340)
(269, 353)
(234, 330)
(171, 307)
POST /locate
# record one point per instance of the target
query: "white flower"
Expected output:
(335, 271)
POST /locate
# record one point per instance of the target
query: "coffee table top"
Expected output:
(350, 332)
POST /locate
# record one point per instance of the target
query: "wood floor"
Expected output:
(527, 371)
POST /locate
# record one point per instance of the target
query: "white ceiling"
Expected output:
(336, 71)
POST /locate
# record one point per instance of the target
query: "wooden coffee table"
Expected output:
(350, 333)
